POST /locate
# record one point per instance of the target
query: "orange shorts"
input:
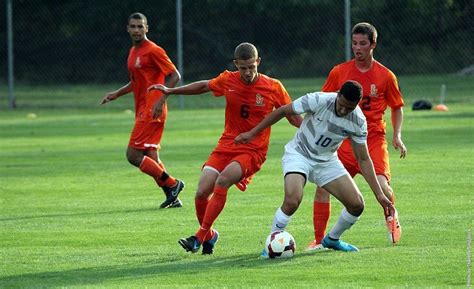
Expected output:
(378, 151)
(250, 162)
(146, 135)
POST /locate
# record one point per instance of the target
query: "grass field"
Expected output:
(74, 213)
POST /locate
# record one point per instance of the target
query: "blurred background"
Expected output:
(58, 43)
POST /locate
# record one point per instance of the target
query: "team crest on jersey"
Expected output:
(373, 90)
(259, 100)
(138, 63)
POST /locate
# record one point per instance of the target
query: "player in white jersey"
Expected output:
(311, 155)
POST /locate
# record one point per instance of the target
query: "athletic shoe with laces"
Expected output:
(208, 246)
(176, 204)
(315, 246)
(190, 244)
(394, 228)
(338, 245)
(172, 193)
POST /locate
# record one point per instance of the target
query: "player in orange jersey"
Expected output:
(380, 89)
(250, 96)
(148, 63)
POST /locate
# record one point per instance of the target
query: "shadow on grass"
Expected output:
(91, 213)
(169, 268)
(442, 115)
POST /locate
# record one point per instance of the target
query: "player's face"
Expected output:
(344, 106)
(247, 69)
(137, 29)
(361, 47)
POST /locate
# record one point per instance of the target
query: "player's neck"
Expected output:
(364, 65)
(139, 43)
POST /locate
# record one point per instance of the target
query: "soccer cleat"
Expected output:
(173, 193)
(315, 246)
(176, 204)
(264, 254)
(190, 244)
(208, 246)
(394, 228)
(338, 245)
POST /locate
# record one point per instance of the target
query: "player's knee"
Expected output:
(356, 209)
(202, 194)
(134, 158)
(224, 181)
(291, 204)
(321, 195)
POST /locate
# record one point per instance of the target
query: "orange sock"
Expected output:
(153, 169)
(201, 205)
(321, 214)
(214, 208)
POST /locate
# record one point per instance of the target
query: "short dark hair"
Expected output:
(138, 16)
(351, 90)
(245, 51)
(366, 29)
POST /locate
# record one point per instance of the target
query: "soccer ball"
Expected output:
(280, 244)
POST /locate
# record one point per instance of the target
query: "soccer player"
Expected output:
(250, 96)
(148, 63)
(311, 156)
(380, 89)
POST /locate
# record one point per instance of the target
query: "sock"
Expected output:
(153, 169)
(201, 205)
(344, 223)
(280, 221)
(214, 208)
(321, 214)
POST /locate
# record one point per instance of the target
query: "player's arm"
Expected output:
(269, 120)
(295, 120)
(172, 79)
(397, 121)
(117, 93)
(361, 154)
(193, 88)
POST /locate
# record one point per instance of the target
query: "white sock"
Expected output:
(280, 221)
(344, 223)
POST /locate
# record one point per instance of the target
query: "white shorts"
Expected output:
(316, 172)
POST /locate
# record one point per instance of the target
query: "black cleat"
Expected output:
(172, 193)
(176, 204)
(190, 244)
(208, 246)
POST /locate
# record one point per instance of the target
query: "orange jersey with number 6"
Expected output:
(246, 106)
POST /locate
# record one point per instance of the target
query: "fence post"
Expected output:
(179, 47)
(347, 22)
(11, 91)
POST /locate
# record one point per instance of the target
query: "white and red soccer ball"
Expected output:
(280, 244)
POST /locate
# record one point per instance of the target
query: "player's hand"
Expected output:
(108, 97)
(244, 137)
(159, 87)
(398, 144)
(158, 107)
(386, 204)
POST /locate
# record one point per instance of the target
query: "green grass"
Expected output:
(74, 213)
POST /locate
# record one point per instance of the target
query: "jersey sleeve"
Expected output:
(218, 85)
(307, 103)
(361, 132)
(332, 81)
(393, 95)
(282, 97)
(161, 59)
